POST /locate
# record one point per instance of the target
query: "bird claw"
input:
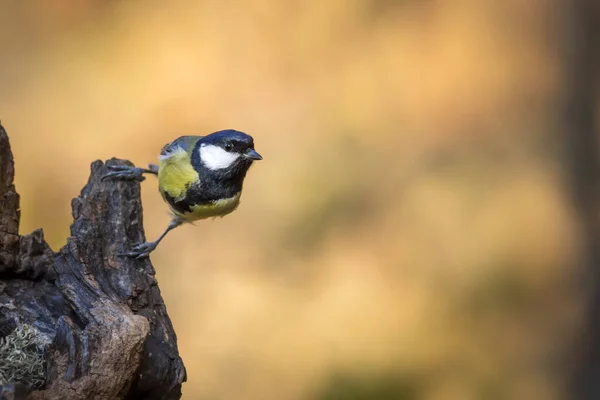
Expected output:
(140, 251)
(152, 169)
(124, 172)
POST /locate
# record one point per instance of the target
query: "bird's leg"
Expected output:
(130, 173)
(144, 249)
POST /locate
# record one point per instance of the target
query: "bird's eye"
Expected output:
(228, 146)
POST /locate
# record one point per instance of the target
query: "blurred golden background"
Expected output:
(408, 234)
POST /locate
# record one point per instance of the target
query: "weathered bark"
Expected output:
(9, 206)
(101, 316)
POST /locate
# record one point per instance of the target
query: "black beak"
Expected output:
(252, 154)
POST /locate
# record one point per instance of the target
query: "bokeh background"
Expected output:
(410, 233)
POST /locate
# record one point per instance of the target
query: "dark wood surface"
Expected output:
(102, 316)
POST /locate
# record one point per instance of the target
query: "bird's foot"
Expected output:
(125, 172)
(152, 169)
(141, 250)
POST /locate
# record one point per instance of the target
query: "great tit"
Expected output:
(199, 177)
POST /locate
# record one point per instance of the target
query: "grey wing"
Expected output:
(183, 142)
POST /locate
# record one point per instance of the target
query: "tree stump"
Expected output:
(83, 323)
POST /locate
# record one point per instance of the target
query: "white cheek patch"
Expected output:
(214, 157)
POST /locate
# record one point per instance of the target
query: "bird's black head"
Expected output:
(226, 154)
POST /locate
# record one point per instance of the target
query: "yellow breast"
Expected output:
(219, 208)
(176, 173)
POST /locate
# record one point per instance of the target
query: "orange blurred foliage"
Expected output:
(408, 220)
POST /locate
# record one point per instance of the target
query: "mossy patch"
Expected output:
(22, 357)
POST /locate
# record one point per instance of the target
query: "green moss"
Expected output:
(22, 357)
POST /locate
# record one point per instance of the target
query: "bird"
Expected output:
(199, 177)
